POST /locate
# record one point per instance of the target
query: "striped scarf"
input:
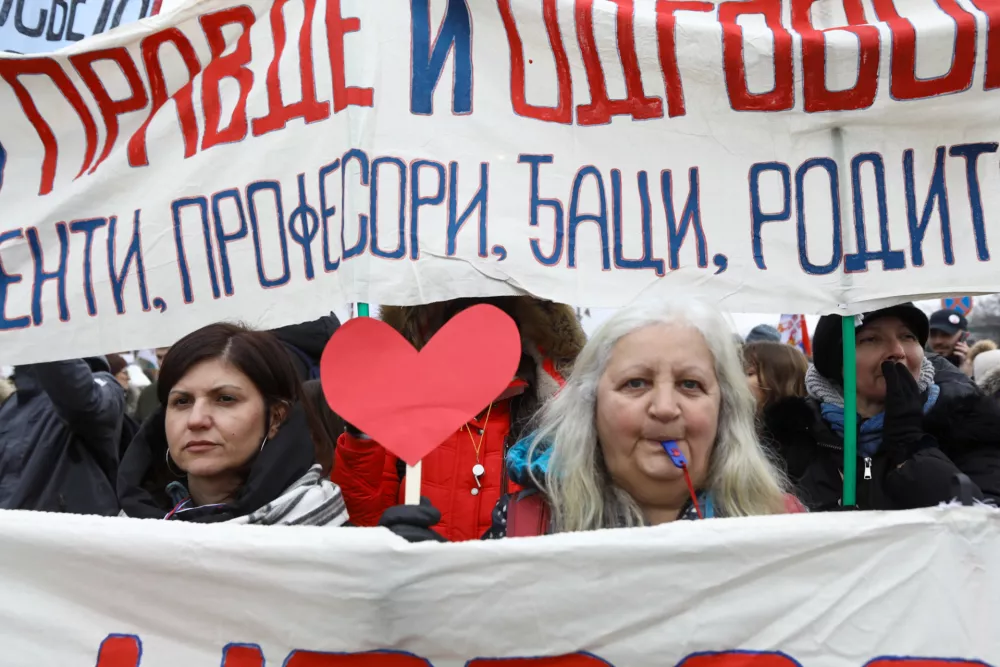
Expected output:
(312, 500)
(825, 391)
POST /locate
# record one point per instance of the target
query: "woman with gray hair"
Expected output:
(655, 424)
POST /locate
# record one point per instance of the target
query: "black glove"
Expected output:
(903, 432)
(413, 522)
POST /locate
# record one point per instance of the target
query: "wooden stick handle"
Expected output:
(413, 484)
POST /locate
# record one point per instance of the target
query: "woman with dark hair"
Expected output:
(327, 426)
(774, 371)
(232, 441)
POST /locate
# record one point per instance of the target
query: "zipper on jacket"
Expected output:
(868, 467)
(825, 445)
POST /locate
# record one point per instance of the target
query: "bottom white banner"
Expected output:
(900, 589)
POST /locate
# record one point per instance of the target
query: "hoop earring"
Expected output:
(261, 445)
(170, 467)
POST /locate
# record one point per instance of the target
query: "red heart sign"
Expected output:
(408, 401)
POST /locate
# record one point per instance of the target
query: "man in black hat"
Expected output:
(949, 336)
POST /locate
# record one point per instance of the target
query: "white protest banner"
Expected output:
(39, 26)
(892, 589)
(265, 159)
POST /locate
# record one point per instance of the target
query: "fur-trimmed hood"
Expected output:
(551, 339)
(549, 331)
(991, 383)
(551, 326)
(979, 347)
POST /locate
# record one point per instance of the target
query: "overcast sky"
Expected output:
(743, 322)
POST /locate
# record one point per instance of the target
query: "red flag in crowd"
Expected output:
(794, 331)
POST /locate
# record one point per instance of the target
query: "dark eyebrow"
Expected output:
(214, 390)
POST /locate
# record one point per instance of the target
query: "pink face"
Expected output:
(215, 419)
(942, 342)
(753, 380)
(659, 385)
(884, 339)
(122, 377)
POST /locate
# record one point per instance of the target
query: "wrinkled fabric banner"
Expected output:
(264, 160)
(826, 590)
(40, 26)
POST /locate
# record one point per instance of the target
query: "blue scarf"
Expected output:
(517, 463)
(706, 505)
(870, 436)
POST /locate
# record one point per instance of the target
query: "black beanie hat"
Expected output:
(828, 342)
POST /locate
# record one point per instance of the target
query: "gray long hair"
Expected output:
(741, 478)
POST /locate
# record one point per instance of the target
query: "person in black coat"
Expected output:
(60, 435)
(921, 420)
(305, 343)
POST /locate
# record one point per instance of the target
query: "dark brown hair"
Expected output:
(328, 425)
(117, 363)
(257, 354)
(781, 369)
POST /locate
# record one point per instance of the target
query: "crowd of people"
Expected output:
(922, 417)
(660, 416)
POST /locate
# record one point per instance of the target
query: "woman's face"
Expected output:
(659, 385)
(214, 419)
(884, 339)
(753, 379)
(122, 377)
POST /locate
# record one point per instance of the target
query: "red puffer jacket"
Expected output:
(369, 477)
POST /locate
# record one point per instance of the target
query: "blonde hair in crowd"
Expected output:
(582, 496)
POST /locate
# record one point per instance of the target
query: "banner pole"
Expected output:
(850, 414)
(849, 498)
(362, 310)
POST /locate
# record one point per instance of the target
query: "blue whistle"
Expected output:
(675, 453)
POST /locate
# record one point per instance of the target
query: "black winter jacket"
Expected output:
(305, 343)
(964, 423)
(59, 439)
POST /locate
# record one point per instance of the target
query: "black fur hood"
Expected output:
(790, 417)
